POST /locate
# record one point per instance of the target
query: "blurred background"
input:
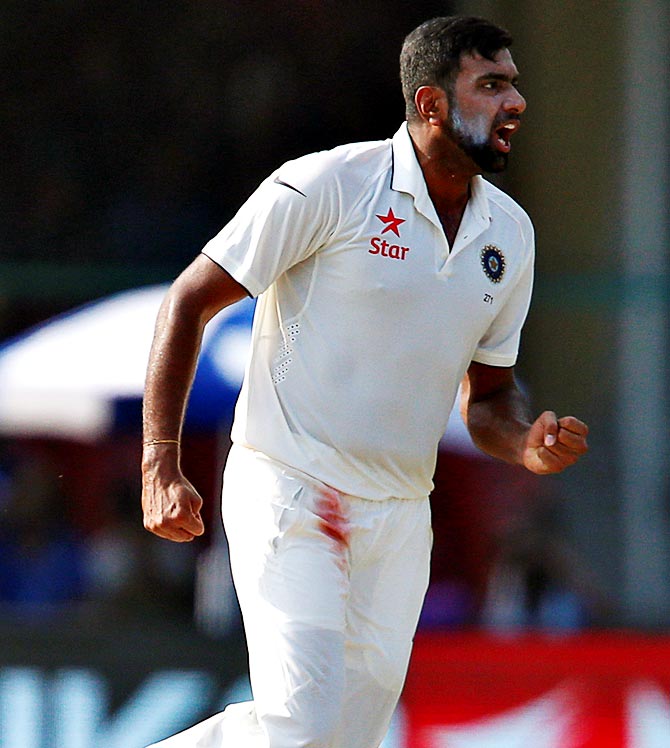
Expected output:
(131, 132)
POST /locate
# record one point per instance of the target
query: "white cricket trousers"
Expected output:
(330, 588)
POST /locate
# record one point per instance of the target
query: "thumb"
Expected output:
(549, 423)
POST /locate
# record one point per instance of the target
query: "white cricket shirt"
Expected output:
(366, 321)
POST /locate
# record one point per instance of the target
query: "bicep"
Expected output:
(203, 289)
(483, 381)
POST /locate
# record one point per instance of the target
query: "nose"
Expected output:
(515, 103)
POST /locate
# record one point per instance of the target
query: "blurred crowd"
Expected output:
(77, 548)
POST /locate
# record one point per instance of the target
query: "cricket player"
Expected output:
(386, 274)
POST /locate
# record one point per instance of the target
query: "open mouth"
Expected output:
(503, 135)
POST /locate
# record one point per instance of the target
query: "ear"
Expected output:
(431, 104)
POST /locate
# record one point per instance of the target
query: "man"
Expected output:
(386, 272)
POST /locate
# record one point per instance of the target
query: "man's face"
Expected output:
(484, 109)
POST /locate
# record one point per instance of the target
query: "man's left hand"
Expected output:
(554, 443)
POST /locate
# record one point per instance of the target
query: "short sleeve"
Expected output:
(288, 218)
(500, 345)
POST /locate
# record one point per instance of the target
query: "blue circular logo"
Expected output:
(493, 262)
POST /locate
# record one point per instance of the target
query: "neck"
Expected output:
(447, 172)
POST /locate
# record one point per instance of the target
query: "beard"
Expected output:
(474, 139)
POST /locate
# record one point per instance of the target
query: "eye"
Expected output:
(497, 85)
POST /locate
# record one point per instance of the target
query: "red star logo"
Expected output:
(391, 222)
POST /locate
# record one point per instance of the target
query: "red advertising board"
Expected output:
(605, 690)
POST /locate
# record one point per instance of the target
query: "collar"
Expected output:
(406, 176)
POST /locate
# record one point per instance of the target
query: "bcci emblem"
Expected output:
(493, 263)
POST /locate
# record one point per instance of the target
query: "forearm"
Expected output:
(170, 371)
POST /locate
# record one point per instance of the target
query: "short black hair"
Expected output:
(431, 54)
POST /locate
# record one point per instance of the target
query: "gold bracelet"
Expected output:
(151, 442)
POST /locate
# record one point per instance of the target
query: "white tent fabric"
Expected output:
(63, 378)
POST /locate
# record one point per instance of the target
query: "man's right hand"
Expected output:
(171, 506)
